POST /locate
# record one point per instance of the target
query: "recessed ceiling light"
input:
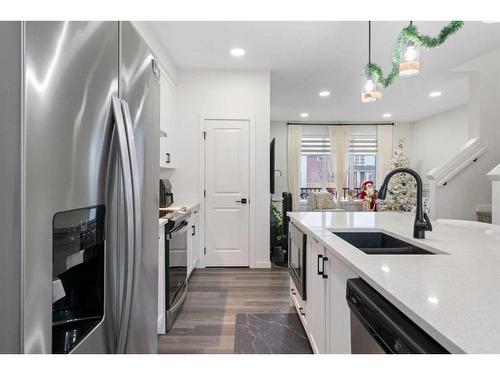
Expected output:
(435, 94)
(237, 52)
(386, 115)
(324, 93)
(304, 114)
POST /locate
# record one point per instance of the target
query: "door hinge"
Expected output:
(204, 251)
(204, 193)
(204, 135)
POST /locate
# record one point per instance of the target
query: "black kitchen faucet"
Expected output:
(422, 221)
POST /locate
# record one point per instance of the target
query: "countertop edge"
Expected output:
(190, 207)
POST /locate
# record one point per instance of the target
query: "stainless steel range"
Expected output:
(176, 242)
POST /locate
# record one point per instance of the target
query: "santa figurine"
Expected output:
(369, 194)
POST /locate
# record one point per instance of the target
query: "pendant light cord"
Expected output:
(369, 42)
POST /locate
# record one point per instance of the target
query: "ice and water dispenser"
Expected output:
(77, 275)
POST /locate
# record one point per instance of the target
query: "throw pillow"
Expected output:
(324, 201)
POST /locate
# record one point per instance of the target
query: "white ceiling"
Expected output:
(307, 57)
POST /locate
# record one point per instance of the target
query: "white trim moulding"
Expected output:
(468, 154)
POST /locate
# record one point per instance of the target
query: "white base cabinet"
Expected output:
(316, 286)
(338, 313)
(193, 242)
(300, 305)
(325, 315)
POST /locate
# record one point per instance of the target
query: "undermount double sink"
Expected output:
(379, 243)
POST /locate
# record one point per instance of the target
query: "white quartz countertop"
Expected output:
(454, 297)
(191, 207)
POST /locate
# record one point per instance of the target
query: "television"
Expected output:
(271, 167)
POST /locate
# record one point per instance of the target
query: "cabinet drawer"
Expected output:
(300, 305)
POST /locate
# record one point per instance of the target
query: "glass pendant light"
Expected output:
(409, 64)
(369, 88)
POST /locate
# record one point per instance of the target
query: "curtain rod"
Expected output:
(339, 123)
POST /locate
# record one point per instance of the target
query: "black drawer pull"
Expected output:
(325, 276)
(293, 291)
(301, 310)
(319, 258)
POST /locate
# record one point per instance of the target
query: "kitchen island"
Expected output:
(453, 295)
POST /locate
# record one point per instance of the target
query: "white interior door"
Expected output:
(227, 181)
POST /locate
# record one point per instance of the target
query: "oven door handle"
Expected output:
(178, 230)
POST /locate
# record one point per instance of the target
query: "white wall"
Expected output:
(438, 138)
(217, 92)
(404, 131)
(471, 187)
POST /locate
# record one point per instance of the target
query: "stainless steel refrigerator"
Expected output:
(79, 164)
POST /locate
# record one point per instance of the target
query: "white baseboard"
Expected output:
(256, 265)
(265, 264)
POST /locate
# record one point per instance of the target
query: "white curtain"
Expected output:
(384, 147)
(340, 147)
(294, 153)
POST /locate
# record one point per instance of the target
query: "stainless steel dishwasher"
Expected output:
(378, 327)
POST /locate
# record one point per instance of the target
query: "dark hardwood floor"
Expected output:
(206, 322)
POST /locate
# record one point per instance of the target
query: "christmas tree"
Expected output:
(402, 189)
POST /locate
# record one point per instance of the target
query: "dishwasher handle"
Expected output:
(393, 330)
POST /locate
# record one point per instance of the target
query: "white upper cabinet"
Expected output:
(167, 121)
(167, 109)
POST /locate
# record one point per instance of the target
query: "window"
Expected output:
(316, 169)
(362, 159)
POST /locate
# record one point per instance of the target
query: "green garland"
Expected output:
(409, 32)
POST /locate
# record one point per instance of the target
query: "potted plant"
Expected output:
(279, 221)
(351, 194)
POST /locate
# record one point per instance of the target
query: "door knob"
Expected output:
(242, 201)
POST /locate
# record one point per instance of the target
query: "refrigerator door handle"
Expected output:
(136, 199)
(121, 136)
